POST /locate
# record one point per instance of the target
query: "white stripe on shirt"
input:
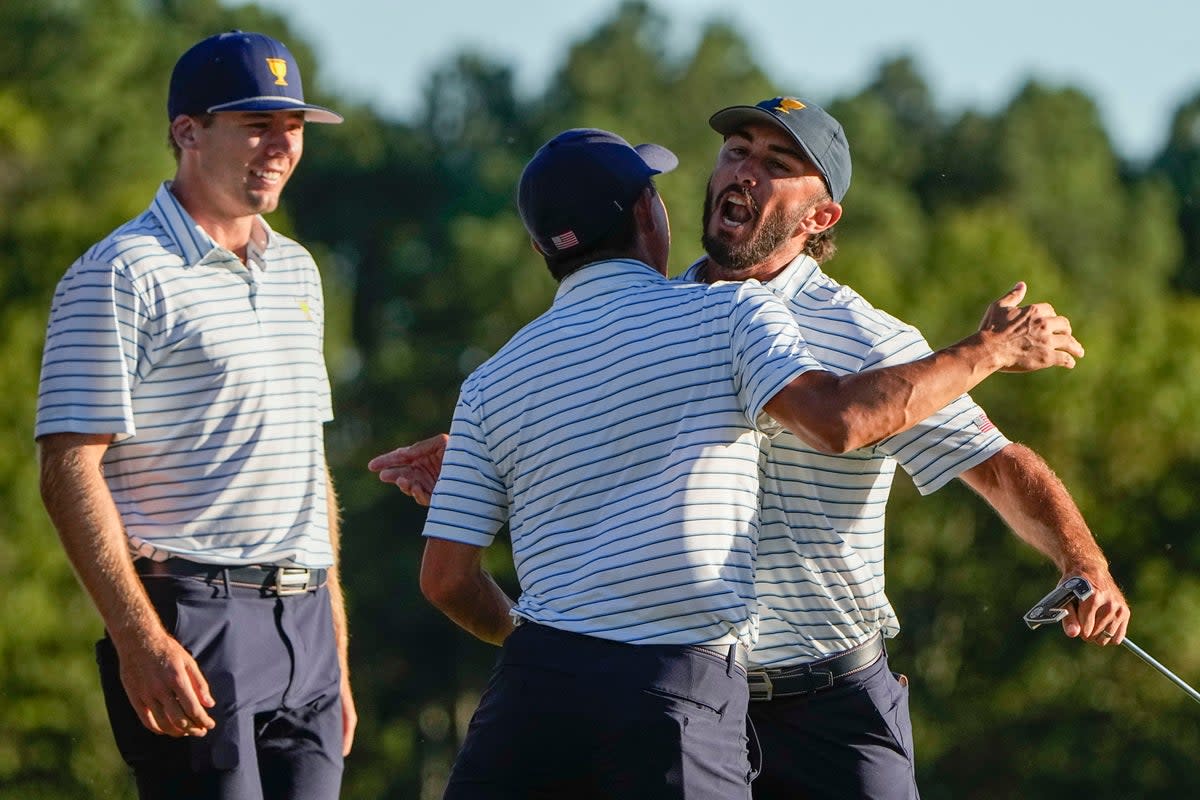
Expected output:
(615, 435)
(209, 374)
(820, 571)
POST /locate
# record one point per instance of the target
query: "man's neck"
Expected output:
(711, 272)
(231, 233)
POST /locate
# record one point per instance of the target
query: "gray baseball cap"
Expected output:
(818, 134)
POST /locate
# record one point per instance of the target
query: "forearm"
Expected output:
(1035, 504)
(883, 402)
(453, 580)
(89, 526)
(837, 414)
(1031, 499)
(481, 608)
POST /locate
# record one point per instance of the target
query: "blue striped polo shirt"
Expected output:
(619, 435)
(820, 576)
(209, 373)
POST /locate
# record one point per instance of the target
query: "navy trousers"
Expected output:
(271, 665)
(570, 716)
(852, 741)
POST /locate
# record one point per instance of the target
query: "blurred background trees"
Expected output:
(427, 272)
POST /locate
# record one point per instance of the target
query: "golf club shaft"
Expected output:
(1144, 656)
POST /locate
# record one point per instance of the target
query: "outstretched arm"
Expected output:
(836, 414)
(1032, 500)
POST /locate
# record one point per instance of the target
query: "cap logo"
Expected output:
(278, 67)
(565, 241)
(788, 104)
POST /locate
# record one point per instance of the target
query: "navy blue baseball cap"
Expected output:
(818, 134)
(239, 71)
(578, 184)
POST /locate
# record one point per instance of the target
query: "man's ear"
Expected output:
(183, 130)
(643, 209)
(822, 216)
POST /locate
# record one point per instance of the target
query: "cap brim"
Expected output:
(657, 157)
(730, 120)
(311, 113)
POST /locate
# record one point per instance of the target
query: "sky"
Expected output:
(1138, 61)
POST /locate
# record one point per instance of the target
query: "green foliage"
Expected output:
(1179, 162)
(428, 271)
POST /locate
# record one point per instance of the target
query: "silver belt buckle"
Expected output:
(761, 687)
(291, 580)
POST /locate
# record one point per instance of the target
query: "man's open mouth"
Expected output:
(736, 209)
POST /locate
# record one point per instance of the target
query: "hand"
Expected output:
(1032, 337)
(349, 717)
(165, 686)
(1104, 616)
(415, 468)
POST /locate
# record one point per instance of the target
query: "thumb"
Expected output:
(1014, 296)
(1070, 624)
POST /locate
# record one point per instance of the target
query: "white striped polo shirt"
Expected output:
(210, 375)
(620, 436)
(819, 576)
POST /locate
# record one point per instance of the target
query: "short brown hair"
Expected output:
(821, 247)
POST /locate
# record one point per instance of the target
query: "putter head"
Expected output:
(1053, 607)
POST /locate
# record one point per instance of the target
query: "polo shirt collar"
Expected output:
(603, 276)
(800, 272)
(795, 276)
(192, 241)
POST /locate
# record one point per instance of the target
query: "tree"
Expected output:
(1179, 162)
(427, 271)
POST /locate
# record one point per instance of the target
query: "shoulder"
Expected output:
(827, 305)
(735, 292)
(521, 349)
(132, 250)
(289, 247)
(291, 255)
(750, 297)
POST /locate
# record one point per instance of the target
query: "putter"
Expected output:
(1052, 608)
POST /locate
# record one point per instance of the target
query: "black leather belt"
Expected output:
(741, 656)
(269, 579)
(814, 676)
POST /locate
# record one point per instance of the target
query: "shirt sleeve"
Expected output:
(946, 444)
(470, 501)
(97, 342)
(769, 351)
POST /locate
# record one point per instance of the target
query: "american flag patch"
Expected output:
(984, 424)
(565, 241)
